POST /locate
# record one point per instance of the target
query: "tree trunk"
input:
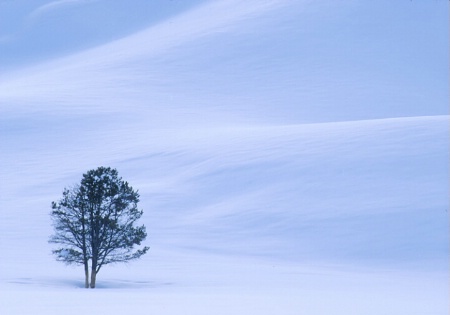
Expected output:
(86, 275)
(93, 267)
(93, 277)
(93, 271)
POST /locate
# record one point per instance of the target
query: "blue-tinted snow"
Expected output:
(289, 154)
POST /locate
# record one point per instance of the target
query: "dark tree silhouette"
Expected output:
(94, 222)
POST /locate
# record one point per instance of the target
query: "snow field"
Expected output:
(291, 156)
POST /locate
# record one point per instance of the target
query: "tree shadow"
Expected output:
(48, 282)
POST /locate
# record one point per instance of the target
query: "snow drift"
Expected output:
(289, 158)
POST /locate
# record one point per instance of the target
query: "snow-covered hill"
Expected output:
(291, 156)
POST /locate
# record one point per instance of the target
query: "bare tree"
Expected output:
(94, 222)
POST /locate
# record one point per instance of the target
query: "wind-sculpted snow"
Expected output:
(326, 199)
(252, 62)
(284, 167)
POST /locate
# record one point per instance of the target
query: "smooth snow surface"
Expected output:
(291, 156)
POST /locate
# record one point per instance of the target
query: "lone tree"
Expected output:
(94, 222)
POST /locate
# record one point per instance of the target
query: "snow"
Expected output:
(291, 157)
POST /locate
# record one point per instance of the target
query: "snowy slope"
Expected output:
(290, 155)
